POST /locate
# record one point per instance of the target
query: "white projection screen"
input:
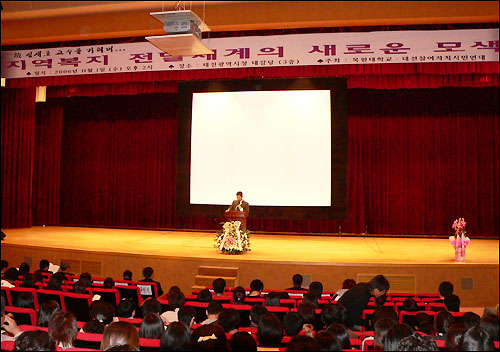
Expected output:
(277, 141)
(275, 146)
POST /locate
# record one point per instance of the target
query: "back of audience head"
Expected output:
(187, 315)
(316, 287)
(214, 308)
(204, 296)
(25, 300)
(122, 348)
(28, 281)
(177, 337)
(341, 334)
(270, 331)
(94, 326)
(11, 275)
(151, 305)
(489, 323)
(55, 283)
(118, 334)
(327, 341)
(63, 329)
(36, 340)
(46, 311)
(24, 268)
(65, 266)
(102, 311)
(176, 300)
(80, 287)
(409, 305)
(44, 264)
(332, 313)
(148, 272)
(210, 337)
(417, 342)
(310, 297)
(452, 303)
(348, 284)
(229, 319)
(306, 311)
(471, 319)
(242, 341)
(292, 324)
(424, 323)
(297, 280)
(256, 285)
(109, 283)
(126, 308)
(395, 335)
(127, 275)
(379, 285)
(442, 322)
(445, 289)
(476, 339)
(384, 312)
(256, 312)
(273, 299)
(151, 327)
(174, 289)
(219, 285)
(303, 343)
(453, 336)
(86, 278)
(380, 330)
(239, 294)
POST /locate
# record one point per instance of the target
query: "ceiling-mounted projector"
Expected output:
(183, 30)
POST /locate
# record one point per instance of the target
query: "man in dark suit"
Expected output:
(148, 277)
(239, 204)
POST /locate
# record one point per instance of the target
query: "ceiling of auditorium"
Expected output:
(26, 22)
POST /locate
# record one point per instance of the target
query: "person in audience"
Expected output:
(55, 283)
(10, 330)
(38, 277)
(28, 281)
(5, 266)
(44, 266)
(151, 305)
(25, 300)
(341, 334)
(219, 286)
(256, 313)
(380, 330)
(292, 324)
(94, 326)
(423, 323)
(229, 319)
(453, 337)
(316, 287)
(409, 305)
(327, 341)
(148, 277)
(273, 299)
(297, 283)
(346, 286)
(471, 319)
(310, 297)
(307, 311)
(127, 275)
(270, 331)
(489, 322)
(102, 311)
(187, 315)
(284, 295)
(356, 299)
(445, 289)
(213, 310)
(64, 268)
(109, 283)
(210, 337)
(63, 329)
(442, 323)
(417, 342)
(118, 334)
(152, 327)
(256, 287)
(24, 269)
(126, 308)
(86, 278)
(36, 340)
(176, 301)
(10, 275)
(204, 296)
(384, 312)
(303, 343)
(395, 335)
(80, 287)
(476, 339)
(46, 311)
(239, 295)
(332, 313)
(242, 341)
(452, 303)
(177, 337)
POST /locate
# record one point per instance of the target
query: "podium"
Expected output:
(237, 216)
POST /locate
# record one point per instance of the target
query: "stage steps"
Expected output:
(207, 274)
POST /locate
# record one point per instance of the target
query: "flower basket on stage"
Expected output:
(459, 241)
(232, 239)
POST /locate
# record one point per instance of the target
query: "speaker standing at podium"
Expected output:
(239, 204)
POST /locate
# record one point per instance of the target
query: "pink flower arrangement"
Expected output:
(459, 240)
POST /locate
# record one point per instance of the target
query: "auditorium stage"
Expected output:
(413, 264)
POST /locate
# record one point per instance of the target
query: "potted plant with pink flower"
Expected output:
(459, 241)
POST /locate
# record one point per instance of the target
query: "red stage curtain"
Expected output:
(18, 139)
(47, 162)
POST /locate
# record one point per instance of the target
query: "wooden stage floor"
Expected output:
(345, 256)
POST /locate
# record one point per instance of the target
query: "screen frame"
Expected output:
(339, 147)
